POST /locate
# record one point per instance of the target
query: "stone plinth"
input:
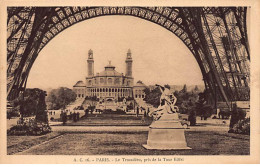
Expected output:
(166, 134)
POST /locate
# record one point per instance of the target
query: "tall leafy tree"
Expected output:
(60, 98)
(32, 104)
(153, 97)
(184, 89)
(196, 89)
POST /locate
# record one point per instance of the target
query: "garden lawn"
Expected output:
(125, 143)
(17, 144)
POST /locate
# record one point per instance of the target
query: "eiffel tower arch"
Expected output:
(216, 37)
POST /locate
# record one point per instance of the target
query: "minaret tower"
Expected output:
(129, 63)
(90, 63)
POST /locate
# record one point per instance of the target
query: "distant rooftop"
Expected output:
(139, 84)
(79, 84)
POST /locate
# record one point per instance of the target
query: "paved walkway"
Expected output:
(100, 128)
(128, 128)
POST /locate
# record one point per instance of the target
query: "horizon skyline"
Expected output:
(188, 86)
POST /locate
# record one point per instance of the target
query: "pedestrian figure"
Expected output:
(137, 111)
(144, 113)
(61, 115)
(77, 116)
(144, 117)
(86, 113)
(148, 111)
(64, 118)
(74, 117)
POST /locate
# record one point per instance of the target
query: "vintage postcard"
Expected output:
(129, 82)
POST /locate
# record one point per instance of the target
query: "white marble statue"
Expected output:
(167, 103)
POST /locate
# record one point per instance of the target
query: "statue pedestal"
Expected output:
(166, 134)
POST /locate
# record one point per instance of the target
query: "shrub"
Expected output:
(237, 115)
(130, 107)
(241, 127)
(214, 117)
(224, 114)
(109, 111)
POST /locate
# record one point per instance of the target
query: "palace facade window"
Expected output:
(109, 80)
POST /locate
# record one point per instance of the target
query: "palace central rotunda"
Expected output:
(108, 84)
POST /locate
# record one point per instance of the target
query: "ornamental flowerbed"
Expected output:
(241, 127)
(30, 127)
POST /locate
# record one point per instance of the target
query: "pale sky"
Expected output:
(158, 55)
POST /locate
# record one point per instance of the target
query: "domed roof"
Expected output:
(139, 84)
(110, 71)
(79, 84)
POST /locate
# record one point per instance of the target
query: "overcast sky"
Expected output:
(158, 55)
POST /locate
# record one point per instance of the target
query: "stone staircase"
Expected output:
(76, 103)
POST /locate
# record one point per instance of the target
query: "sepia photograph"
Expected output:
(128, 84)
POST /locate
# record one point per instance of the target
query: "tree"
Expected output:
(184, 89)
(185, 100)
(147, 91)
(196, 89)
(153, 97)
(41, 114)
(202, 108)
(32, 103)
(60, 98)
(52, 99)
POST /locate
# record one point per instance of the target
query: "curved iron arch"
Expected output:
(173, 24)
(187, 24)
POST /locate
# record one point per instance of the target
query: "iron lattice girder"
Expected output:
(202, 30)
(230, 53)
